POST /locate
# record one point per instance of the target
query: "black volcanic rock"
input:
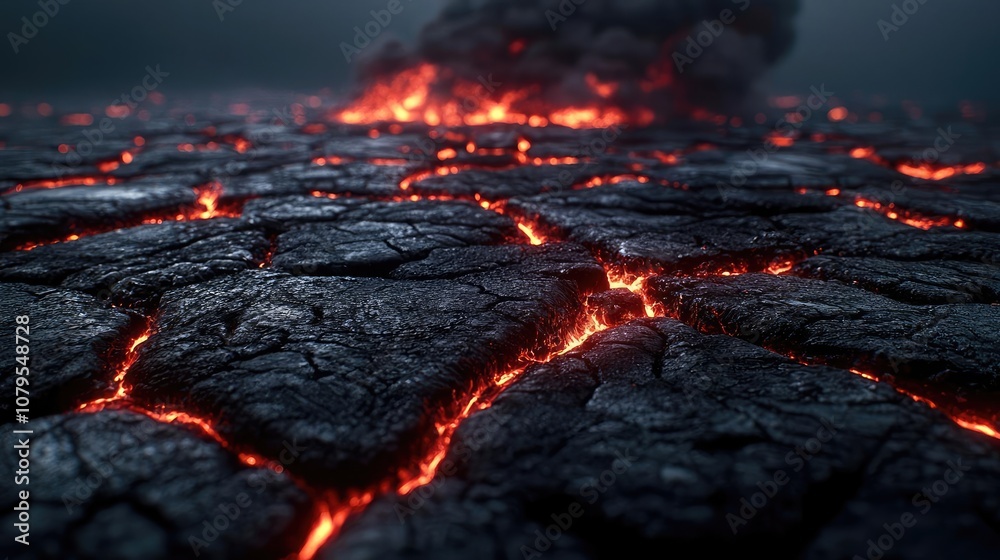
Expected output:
(138, 264)
(355, 237)
(324, 308)
(52, 214)
(121, 485)
(918, 282)
(956, 345)
(649, 438)
(357, 369)
(707, 228)
(71, 340)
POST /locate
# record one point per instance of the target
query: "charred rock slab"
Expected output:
(655, 437)
(121, 485)
(357, 370)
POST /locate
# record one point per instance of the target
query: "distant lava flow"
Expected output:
(87, 181)
(895, 213)
(429, 94)
(912, 219)
(919, 170)
(206, 207)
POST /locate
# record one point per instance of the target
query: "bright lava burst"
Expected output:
(413, 96)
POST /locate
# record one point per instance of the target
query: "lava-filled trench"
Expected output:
(334, 510)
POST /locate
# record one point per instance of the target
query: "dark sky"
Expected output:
(946, 52)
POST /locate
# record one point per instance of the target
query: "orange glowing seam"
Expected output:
(59, 183)
(907, 217)
(932, 173)
(121, 390)
(961, 419)
(427, 468)
(122, 398)
(635, 285)
(613, 180)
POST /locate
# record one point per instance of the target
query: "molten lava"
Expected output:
(428, 94)
(86, 181)
(939, 173)
(121, 391)
(319, 534)
(907, 217)
(963, 419)
(919, 170)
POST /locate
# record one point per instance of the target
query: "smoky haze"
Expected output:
(944, 53)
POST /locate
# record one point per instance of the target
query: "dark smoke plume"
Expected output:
(640, 45)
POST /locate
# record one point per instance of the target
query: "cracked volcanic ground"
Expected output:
(370, 351)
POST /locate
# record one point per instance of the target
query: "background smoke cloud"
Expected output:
(556, 44)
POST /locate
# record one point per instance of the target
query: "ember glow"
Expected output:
(919, 170)
(939, 173)
(907, 217)
(961, 418)
(121, 390)
(426, 94)
(319, 534)
(121, 399)
(88, 181)
(533, 237)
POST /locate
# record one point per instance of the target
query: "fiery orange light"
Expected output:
(837, 114)
(447, 153)
(533, 237)
(121, 390)
(413, 96)
(962, 419)
(319, 534)
(602, 89)
(932, 173)
(907, 217)
(780, 268)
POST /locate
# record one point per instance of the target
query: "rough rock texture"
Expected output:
(120, 485)
(136, 265)
(827, 322)
(71, 338)
(368, 296)
(353, 237)
(657, 434)
(357, 370)
(51, 214)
